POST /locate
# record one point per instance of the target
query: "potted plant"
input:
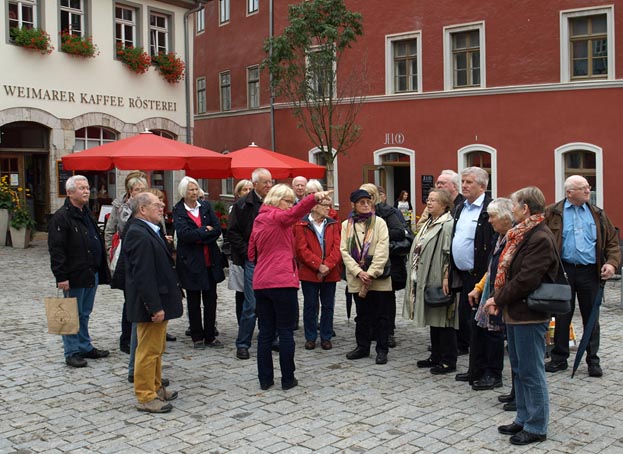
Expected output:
(135, 58)
(21, 225)
(7, 203)
(170, 66)
(221, 213)
(78, 45)
(31, 38)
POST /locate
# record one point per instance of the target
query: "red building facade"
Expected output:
(529, 91)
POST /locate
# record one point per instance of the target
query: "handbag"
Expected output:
(433, 294)
(551, 297)
(386, 270)
(62, 315)
(402, 247)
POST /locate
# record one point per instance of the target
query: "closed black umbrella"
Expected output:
(588, 328)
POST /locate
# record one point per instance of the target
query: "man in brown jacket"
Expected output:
(590, 252)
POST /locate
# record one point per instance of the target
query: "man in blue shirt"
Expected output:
(590, 252)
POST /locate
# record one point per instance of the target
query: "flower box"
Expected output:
(170, 67)
(78, 45)
(31, 38)
(135, 58)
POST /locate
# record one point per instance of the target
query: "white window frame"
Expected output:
(565, 55)
(448, 62)
(255, 87)
(101, 140)
(313, 81)
(559, 168)
(336, 191)
(155, 31)
(200, 88)
(379, 157)
(21, 4)
(200, 21)
(221, 93)
(253, 6)
(124, 23)
(389, 60)
(493, 176)
(223, 12)
(81, 12)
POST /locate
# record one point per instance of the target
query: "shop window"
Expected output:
(464, 56)
(93, 136)
(225, 85)
(163, 133)
(22, 14)
(159, 25)
(126, 24)
(403, 67)
(253, 87)
(72, 15)
(201, 95)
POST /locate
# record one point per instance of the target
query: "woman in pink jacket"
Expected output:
(276, 279)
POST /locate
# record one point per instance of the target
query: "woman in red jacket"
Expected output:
(276, 279)
(317, 239)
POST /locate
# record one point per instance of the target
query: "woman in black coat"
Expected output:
(198, 261)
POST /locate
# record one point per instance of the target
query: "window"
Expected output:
(403, 68)
(321, 69)
(125, 26)
(482, 156)
(163, 133)
(464, 56)
(93, 136)
(582, 162)
(316, 157)
(201, 95)
(158, 34)
(582, 159)
(253, 6)
(223, 10)
(72, 17)
(200, 23)
(227, 187)
(253, 87)
(225, 83)
(22, 14)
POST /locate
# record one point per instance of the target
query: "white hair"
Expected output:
(183, 186)
(70, 184)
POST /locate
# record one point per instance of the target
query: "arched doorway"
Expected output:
(24, 154)
(394, 169)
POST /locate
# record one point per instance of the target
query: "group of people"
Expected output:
(480, 257)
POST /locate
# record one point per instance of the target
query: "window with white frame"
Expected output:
(321, 69)
(72, 14)
(200, 23)
(93, 136)
(22, 14)
(163, 133)
(482, 156)
(253, 6)
(158, 33)
(253, 87)
(587, 44)
(223, 11)
(318, 158)
(403, 63)
(201, 95)
(225, 85)
(584, 159)
(125, 26)
(583, 163)
(464, 56)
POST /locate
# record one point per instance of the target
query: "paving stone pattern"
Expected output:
(339, 406)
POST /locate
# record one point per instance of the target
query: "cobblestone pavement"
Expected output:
(339, 406)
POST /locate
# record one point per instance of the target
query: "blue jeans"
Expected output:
(81, 342)
(526, 349)
(312, 291)
(276, 313)
(247, 318)
(133, 344)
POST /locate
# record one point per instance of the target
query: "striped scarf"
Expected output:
(359, 251)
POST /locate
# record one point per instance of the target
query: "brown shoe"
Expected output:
(310, 345)
(326, 345)
(166, 395)
(154, 406)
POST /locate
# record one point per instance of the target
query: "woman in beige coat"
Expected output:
(428, 266)
(365, 251)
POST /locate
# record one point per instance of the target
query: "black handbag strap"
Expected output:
(551, 236)
(430, 264)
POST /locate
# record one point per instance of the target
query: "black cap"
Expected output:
(359, 194)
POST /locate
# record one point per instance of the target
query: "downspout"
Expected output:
(272, 92)
(197, 8)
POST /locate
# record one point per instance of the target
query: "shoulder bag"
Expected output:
(433, 294)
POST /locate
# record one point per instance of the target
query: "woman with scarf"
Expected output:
(428, 266)
(365, 252)
(528, 259)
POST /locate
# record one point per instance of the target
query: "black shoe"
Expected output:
(525, 438)
(265, 386)
(381, 358)
(556, 366)
(594, 370)
(125, 348)
(426, 363)
(164, 381)
(429, 348)
(95, 354)
(510, 429)
(275, 347)
(291, 385)
(462, 351)
(504, 398)
(242, 353)
(171, 338)
(462, 376)
(442, 368)
(486, 383)
(76, 360)
(510, 406)
(358, 353)
(391, 342)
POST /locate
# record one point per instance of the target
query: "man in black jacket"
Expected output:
(78, 262)
(241, 219)
(153, 297)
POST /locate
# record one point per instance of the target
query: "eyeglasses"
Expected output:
(158, 205)
(582, 188)
(432, 201)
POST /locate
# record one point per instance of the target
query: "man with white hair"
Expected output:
(590, 252)
(299, 185)
(78, 260)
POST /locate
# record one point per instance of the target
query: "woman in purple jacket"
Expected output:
(276, 279)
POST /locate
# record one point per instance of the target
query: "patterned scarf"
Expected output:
(359, 251)
(514, 237)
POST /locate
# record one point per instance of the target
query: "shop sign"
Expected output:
(394, 138)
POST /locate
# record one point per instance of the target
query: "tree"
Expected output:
(303, 63)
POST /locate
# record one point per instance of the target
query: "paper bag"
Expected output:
(62, 315)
